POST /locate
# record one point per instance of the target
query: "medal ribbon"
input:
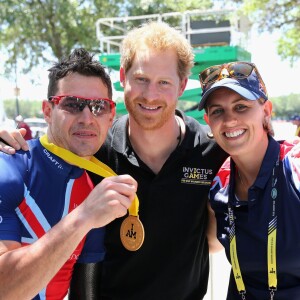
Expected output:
(94, 165)
(271, 249)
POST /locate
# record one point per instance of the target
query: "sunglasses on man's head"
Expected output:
(237, 70)
(75, 105)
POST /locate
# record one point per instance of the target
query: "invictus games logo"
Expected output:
(196, 176)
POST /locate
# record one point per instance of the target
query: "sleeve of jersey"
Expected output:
(11, 194)
(221, 180)
(292, 165)
(218, 197)
(93, 250)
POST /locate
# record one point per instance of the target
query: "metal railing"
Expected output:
(111, 31)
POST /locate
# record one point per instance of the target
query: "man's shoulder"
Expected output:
(14, 169)
(21, 160)
(21, 154)
(119, 124)
(117, 136)
(193, 125)
(201, 135)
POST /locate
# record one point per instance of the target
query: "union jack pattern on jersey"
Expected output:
(221, 180)
(37, 189)
(252, 220)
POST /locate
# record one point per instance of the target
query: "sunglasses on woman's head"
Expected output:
(75, 104)
(237, 70)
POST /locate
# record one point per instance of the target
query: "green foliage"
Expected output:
(38, 30)
(285, 106)
(288, 45)
(27, 108)
(145, 7)
(281, 15)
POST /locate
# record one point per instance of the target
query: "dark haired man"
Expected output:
(47, 202)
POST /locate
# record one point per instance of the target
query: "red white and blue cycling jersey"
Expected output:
(37, 189)
(251, 224)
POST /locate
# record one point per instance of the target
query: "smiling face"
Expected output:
(82, 133)
(237, 123)
(152, 87)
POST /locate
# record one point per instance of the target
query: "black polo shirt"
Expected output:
(172, 264)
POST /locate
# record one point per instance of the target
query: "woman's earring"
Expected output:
(210, 135)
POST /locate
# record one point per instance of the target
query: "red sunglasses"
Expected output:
(75, 104)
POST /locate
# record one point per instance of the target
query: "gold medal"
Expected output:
(132, 230)
(132, 233)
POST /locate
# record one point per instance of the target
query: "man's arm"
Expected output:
(213, 242)
(27, 270)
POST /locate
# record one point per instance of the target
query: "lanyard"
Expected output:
(93, 165)
(271, 249)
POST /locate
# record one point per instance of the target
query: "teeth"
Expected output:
(234, 133)
(149, 108)
(84, 134)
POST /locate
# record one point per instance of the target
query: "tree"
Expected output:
(28, 108)
(286, 106)
(145, 7)
(36, 31)
(281, 15)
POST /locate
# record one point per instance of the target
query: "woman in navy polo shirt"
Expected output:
(256, 194)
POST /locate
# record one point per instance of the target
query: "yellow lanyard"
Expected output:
(271, 251)
(93, 165)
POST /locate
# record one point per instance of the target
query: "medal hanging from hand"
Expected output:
(132, 231)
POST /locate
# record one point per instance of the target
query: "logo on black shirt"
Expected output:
(196, 176)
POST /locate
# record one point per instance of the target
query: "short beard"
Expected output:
(149, 123)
